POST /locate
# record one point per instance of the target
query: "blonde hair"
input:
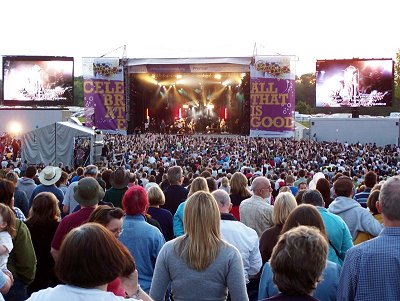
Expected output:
(156, 196)
(225, 182)
(284, 204)
(201, 242)
(239, 185)
(198, 184)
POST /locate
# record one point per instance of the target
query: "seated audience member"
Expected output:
(199, 265)
(143, 240)
(108, 260)
(297, 263)
(370, 270)
(43, 220)
(163, 216)
(303, 215)
(198, 184)
(373, 198)
(284, 204)
(357, 218)
(339, 237)
(112, 219)
(242, 237)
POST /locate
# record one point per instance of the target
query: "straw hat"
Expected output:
(88, 192)
(50, 175)
(119, 178)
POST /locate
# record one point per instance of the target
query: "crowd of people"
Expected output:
(176, 217)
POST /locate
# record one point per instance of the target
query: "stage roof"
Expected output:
(190, 61)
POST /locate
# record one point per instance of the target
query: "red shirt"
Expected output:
(68, 223)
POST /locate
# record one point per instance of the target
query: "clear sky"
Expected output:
(308, 29)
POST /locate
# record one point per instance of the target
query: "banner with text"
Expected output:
(103, 88)
(272, 97)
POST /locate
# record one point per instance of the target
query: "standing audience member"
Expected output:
(22, 259)
(357, 218)
(199, 257)
(297, 263)
(238, 192)
(244, 239)
(43, 220)
(255, 212)
(101, 259)
(325, 290)
(88, 193)
(324, 187)
(70, 202)
(143, 240)
(339, 237)
(284, 204)
(119, 180)
(369, 181)
(27, 183)
(198, 184)
(20, 199)
(48, 178)
(370, 270)
(371, 205)
(175, 193)
(112, 219)
(225, 185)
(163, 216)
(7, 233)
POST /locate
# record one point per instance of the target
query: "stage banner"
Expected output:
(103, 88)
(272, 96)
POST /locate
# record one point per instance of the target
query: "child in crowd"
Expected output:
(7, 232)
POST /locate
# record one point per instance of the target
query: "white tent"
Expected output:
(54, 143)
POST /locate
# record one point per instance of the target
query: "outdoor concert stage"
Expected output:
(182, 96)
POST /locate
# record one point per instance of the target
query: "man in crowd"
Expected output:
(370, 270)
(175, 193)
(255, 212)
(369, 181)
(242, 237)
(356, 217)
(27, 182)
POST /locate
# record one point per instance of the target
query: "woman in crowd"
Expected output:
(239, 192)
(143, 240)
(324, 187)
(198, 184)
(163, 216)
(112, 219)
(22, 260)
(101, 259)
(284, 204)
(225, 185)
(371, 205)
(305, 215)
(43, 220)
(200, 259)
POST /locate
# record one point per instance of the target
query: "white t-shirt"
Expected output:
(64, 292)
(5, 240)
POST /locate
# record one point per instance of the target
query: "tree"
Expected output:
(397, 78)
(78, 91)
(305, 89)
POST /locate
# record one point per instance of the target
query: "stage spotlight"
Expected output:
(217, 76)
(185, 106)
(210, 106)
(15, 127)
(179, 76)
(153, 76)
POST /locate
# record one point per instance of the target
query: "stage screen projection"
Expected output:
(38, 80)
(354, 83)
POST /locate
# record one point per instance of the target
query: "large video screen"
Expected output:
(38, 80)
(354, 83)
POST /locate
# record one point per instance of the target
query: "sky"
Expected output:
(308, 30)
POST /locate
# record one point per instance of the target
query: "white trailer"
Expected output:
(379, 130)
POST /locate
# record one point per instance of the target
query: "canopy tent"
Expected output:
(54, 143)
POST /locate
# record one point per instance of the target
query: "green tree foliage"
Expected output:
(78, 91)
(397, 78)
(305, 93)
